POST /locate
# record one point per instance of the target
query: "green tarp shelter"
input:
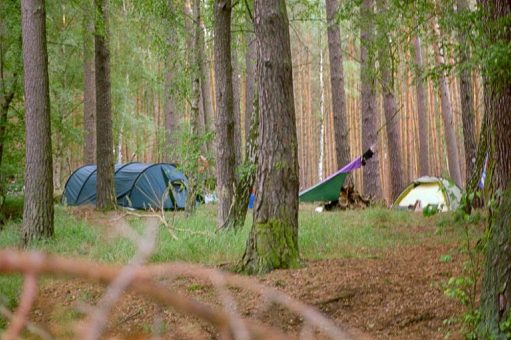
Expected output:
(329, 189)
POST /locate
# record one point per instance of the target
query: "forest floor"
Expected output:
(394, 292)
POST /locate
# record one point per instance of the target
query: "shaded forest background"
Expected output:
(147, 39)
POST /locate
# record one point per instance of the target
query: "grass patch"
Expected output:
(339, 234)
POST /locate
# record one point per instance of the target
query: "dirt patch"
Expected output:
(398, 295)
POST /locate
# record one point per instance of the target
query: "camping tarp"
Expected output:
(137, 185)
(329, 188)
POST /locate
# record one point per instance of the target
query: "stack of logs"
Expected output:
(349, 198)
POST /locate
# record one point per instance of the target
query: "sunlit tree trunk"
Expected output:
(38, 198)
(105, 197)
(369, 114)
(273, 239)
(422, 111)
(236, 103)
(225, 130)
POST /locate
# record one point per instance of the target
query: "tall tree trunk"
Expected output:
(38, 203)
(169, 111)
(225, 134)
(466, 94)
(105, 196)
(273, 239)
(453, 157)
(250, 62)
(236, 104)
(321, 158)
(341, 137)
(422, 111)
(369, 113)
(205, 83)
(496, 285)
(387, 70)
(89, 86)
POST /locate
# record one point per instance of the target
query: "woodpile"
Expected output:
(349, 199)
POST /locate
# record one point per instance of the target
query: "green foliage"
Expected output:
(463, 288)
(430, 210)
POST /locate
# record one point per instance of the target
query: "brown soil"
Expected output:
(396, 295)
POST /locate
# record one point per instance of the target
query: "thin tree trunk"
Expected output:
(89, 86)
(466, 93)
(391, 112)
(341, 137)
(170, 64)
(225, 123)
(250, 62)
(105, 197)
(422, 111)
(369, 114)
(447, 116)
(273, 240)
(495, 306)
(38, 212)
(236, 105)
(321, 117)
(205, 84)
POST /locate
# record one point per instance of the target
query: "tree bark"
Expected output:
(89, 88)
(205, 83)
(169, 111)
(236, 104)
(453, 157)
(341, 136)
(422, 111)
(391, 111)
(466, 94)
(273, 239)
(225, 123)
(105, 196)
(371, 175)
(38, 212)
(250, 62)
(496, 285)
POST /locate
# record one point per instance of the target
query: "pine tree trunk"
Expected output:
(466, 93)
(168, 108)
(422, 111)
(89, 86)
(225, 123)
(236, 105)
(453, 157)
(105, 197)
(38, 202)
(496, 285)
(338, 93)
(273, 239)
(250, 62)
(205, 83)
(341, 137)
(391, 114)
(369, 114)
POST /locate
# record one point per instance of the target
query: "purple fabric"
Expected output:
(355, 164)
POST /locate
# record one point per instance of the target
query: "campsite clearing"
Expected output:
(380, 273)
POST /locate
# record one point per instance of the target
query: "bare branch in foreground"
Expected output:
(32, 328)
(21, 315)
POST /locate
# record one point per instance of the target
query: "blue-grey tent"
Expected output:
(137, 185)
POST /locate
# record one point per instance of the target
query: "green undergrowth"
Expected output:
(338, 234)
